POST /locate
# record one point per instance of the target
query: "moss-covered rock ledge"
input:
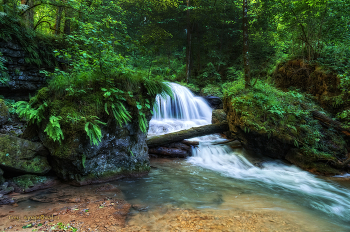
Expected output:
(94, 126)
(22, 156)
(273, 123)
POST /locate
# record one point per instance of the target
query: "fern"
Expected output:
(25, 110)
(83, 159)
(93, 131)
(53, 129)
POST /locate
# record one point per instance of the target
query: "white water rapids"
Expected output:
(288, 181)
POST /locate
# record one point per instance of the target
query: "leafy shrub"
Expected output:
(270, 111)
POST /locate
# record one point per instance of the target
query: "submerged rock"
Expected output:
(23, 156)
(29, 183)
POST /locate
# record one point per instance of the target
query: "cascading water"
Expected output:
(286, 181)
(183, 111)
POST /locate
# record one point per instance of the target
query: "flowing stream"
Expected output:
(216, 189)
(216, 176)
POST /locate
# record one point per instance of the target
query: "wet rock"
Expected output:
(181, 146)
(107, 188)
(22, 156)
(214, 102)
(5, 189)
(122, 152)
(4, 113)
(6, 200)
(141, 208)
(218, 116)
(29, 183)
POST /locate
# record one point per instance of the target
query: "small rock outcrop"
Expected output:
(29, 183)
(214, 102)
(23, 156)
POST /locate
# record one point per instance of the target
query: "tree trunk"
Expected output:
(186, 134)
(58, 20)
(188, 47)
(245, 44)
(28, 16)
(68, 16)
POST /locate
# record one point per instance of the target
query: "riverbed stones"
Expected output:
(22, 156)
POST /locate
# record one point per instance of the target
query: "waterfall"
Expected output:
(286, 181)
(183, 111)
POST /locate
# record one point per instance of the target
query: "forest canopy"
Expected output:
(190, 40)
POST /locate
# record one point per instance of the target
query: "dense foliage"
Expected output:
(101, 43)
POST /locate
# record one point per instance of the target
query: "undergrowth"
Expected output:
(272, 112)
(38, 48)
(83, 100)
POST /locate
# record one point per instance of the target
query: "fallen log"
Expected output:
(190, 143)
(327, 120)
(330, 122)
(186, 134)
(172, 152)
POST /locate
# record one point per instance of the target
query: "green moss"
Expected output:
(266, 109)
(4, 111)
(20, 154)
(213, 90)
(26, 181)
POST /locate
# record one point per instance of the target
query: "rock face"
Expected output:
(4, 113)
(29, 183)
(23, 156)
(214, 102)
(122, 152)
(218, 116)
(25, 78)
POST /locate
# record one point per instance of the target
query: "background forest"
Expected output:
(197, 43)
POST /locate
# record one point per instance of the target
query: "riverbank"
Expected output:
(196, 200)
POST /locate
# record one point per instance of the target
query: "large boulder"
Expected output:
(4, 112)
(122, 152)
(23, 156)
(274, 123)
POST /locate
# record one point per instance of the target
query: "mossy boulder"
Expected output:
(22, 156)
(272, 122)
(29, 183)
(4, 112)
(218, 116)
(122, 152)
